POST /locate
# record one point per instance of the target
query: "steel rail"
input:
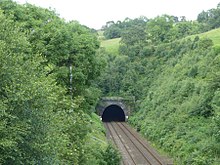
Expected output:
(153, 154)
(129, 137)
(112, 134)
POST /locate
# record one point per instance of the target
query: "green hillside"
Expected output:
(111, 45)
(214, 35)
(179, 110)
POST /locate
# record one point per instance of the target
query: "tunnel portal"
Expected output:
(113, 113)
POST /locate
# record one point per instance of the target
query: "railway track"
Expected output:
(134, 150)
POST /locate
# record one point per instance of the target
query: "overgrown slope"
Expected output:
(180, 109)
(177, 87)
(174, 75)
(214, 35)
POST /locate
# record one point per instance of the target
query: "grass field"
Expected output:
(214, 35)
(111, 45)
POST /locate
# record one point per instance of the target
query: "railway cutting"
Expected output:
(134, 149)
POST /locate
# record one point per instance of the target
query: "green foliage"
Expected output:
(159, 27)
(176, 86)
(40, 123)
(138, 36)
(175, 82)
(63, 44)
(210, 19)
(167, 28)
(180, 100)
(115, 30)
(26, 99)
(111, 156)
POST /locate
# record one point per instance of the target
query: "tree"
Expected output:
(63, 44)
(27, 100)
(112, 32)
(135, 35)
(115, 30)
(210, 19)
(39, 122)
(159, 27)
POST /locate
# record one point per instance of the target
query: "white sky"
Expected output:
(95, 13)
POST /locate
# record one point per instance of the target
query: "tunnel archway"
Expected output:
(113, 113)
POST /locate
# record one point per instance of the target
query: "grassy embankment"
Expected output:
(214, 35)
(112, 45)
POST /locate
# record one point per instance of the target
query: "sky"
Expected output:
(95, 13)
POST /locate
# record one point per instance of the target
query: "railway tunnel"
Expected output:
(114, 108)
(113, 113)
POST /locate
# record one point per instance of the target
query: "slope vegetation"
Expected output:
(177, 87)
(180, 107)
(214, 35)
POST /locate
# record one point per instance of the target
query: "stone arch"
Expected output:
(109, 101)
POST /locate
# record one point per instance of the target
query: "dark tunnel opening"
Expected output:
(113, 113)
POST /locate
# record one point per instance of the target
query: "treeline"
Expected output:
(175, 80)
(210, 19)
(115, 30)
(42, 121)
(177, 26)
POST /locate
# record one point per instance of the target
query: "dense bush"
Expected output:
(180, 100)
(41, 120)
